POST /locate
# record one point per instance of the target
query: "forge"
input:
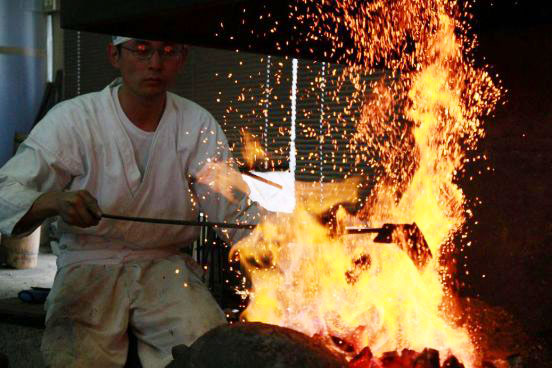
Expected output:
(259, 345)
(416, 126)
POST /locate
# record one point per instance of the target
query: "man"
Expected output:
(137, 150)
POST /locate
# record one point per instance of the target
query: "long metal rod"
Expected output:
(362, 230)
(350, 230)
(178, 222)
(266, 181)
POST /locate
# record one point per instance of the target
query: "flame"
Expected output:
(415, 125)
(364, 293)
(316, 198)
(252, 151)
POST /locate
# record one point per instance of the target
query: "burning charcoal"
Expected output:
(362, 359)
(264, 262)
(391, 359)
(359, 265)
(408, 357)
(429, 358)
(452, 362)
(343, 345)
(352, 277)
(363, 262)
(389, 356)
(255, 345)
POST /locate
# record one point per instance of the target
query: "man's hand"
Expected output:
(222, 178)
(78, 208)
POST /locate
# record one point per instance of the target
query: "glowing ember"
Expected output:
(413, 126)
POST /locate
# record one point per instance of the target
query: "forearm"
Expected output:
(42, 208)
(78, 208)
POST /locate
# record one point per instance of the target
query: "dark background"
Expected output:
(512, 241)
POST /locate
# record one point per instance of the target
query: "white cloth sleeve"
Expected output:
(34, 170)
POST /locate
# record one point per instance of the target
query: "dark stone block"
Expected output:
(255, 345)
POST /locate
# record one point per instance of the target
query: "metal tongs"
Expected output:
(178, 222)
(408, 237)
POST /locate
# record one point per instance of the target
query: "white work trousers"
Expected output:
(91, 307)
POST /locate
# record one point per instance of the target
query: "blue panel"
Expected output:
(21, 92)
(21, 24)
(23, 77)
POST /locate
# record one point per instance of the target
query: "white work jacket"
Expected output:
(81, 144)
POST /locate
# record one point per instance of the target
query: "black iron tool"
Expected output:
(178, 222)
(408, 237)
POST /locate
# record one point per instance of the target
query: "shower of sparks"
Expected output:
(408, 101)
(251, 110)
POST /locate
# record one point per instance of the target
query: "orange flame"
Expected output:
(416, 125)
(252, 151)
(317, 198)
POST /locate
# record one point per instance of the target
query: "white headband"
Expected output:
(117, 40)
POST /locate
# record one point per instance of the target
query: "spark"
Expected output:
(408, 85)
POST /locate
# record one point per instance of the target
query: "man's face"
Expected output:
(144, 73)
